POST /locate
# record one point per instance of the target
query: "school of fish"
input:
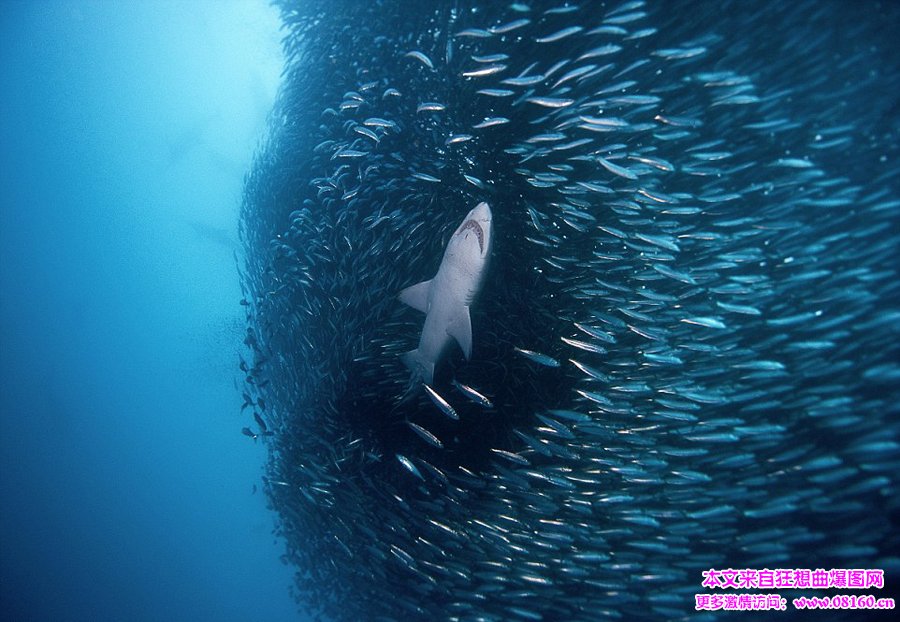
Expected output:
(684, 349)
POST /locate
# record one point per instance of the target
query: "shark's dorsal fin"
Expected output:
(461, 330)
(416, 296)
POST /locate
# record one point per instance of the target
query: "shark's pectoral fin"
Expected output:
(416, 296)
(460, 328)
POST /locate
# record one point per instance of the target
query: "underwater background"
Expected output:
(687, 336)
(126, 487)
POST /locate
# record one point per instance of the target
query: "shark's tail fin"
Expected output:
(420, 368)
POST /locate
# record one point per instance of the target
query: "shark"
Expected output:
(445, 299)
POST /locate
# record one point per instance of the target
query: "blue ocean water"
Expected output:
(126, 488)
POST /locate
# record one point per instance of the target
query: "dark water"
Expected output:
(125, 484)
(695, 227)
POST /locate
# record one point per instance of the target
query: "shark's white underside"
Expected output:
(446, 298)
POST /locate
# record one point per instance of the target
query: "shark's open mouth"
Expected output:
(474, 226)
